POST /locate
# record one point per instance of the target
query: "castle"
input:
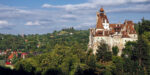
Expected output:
(112, 34)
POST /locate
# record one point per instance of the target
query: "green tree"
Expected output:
(15, 59)
(24, 66)
(118, 62)
(103, 53)
(115, 50)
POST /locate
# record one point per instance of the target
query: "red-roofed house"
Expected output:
(12, 55)
(8, 63)
(23, 55)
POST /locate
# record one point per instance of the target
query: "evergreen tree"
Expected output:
(142, 52)
(115, 50)
(103, 53)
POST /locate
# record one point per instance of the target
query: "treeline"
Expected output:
(45, 42)
(73, 59)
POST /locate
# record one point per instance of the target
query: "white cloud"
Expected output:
(3, 22)
(80, 16)
(85, 25)
(46, 5)
(115, 2)
(91, 4)
(135, 8)
(85, 13)
(30, 23)
(69, 7)
(68, 16)
(138, 0)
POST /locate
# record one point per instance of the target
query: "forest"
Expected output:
(65, 53)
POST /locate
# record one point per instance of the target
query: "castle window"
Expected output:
(100, 33)
(118, 25)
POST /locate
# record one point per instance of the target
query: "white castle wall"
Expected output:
(115, 40)
(106, 25)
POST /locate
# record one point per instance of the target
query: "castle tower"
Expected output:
(99, 22)
(102, 23)
(99, 26)
(102, 20)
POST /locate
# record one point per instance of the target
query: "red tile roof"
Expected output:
(99, 23)
(101, 18)
(12, 55)
(8, 63)
(125, 29)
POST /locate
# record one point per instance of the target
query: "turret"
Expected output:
(102, 21)
(102, 10)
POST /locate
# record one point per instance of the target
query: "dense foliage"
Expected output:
(45, 42)
(67, 55)
(37, 44)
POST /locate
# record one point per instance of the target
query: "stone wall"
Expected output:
(115, 40)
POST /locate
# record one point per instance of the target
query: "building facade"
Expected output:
(113, 34)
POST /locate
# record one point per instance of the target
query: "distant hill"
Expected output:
(44, 42)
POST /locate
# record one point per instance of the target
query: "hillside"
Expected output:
(44, 42)
(67, 54)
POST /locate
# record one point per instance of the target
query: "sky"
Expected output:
(45, 16)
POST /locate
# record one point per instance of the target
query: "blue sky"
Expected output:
(45, 16)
